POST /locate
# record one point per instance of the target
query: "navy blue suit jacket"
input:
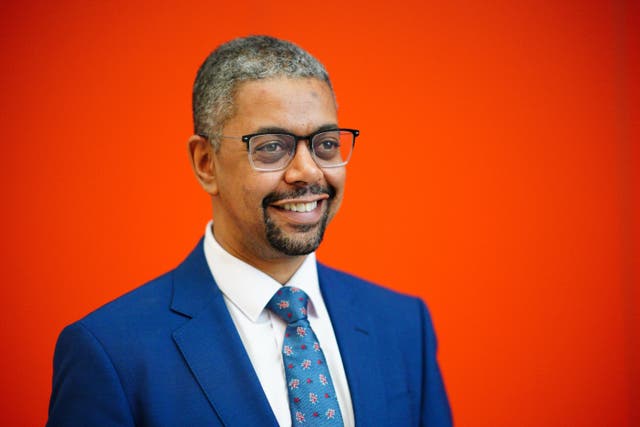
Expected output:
(168, 354)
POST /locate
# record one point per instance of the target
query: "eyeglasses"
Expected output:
(275, 151)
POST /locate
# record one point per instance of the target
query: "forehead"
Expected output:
(295, 104)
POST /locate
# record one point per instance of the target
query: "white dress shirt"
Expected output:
(246, 292)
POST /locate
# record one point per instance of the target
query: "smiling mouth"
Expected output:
(302, 204)
(300, 207)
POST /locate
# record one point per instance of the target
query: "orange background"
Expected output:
(496, 176)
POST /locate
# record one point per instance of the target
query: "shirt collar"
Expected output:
(250, 289)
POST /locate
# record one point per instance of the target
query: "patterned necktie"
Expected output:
(312, 398)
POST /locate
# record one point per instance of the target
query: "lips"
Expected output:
(300, 208)
(305, 213)
(292, 200)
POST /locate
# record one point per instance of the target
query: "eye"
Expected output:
(270, 147)
(270, 144)
(329, 145)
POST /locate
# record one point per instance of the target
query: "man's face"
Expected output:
(267, 215)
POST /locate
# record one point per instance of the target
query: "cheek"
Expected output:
(336, 179)
(251, 200)
(254, 191)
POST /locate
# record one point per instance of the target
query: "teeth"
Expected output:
(300, 207)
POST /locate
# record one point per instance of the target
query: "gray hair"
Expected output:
(244, 59)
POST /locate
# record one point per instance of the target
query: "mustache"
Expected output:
(298, 192)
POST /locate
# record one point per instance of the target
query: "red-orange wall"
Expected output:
(496, 176)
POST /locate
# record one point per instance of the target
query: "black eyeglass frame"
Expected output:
(296, 138)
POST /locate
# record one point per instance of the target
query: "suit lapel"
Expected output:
(212, 347)
(359, 349)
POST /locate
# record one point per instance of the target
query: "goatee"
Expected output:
(289, 245)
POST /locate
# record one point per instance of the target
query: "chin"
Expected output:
(305, 240)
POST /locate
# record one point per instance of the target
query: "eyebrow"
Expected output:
(275, 129)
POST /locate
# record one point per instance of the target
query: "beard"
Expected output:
(290, 245)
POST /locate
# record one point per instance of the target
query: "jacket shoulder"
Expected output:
(149, 298)
(337, 278)
(367, 292)
(141, 319)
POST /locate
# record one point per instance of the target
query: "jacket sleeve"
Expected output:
(86, 388)
(435, 405)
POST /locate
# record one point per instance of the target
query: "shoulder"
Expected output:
(123, 335)
(106, 360)
(400, 329)
(368, 293)
(151, 298)
(336, 278)
(142, 318)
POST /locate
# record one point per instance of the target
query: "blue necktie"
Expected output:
(312, 398)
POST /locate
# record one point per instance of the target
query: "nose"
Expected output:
(303, 169)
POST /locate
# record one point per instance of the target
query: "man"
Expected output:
(249, 330)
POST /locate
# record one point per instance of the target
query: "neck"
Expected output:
(275, 264)
(280, 270)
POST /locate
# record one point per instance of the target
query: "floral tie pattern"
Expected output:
(312, 397)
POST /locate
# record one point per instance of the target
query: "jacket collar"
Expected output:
(359, 348)
(212, 348)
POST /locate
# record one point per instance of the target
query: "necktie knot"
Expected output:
(289, 303)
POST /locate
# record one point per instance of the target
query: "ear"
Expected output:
(202, 162)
